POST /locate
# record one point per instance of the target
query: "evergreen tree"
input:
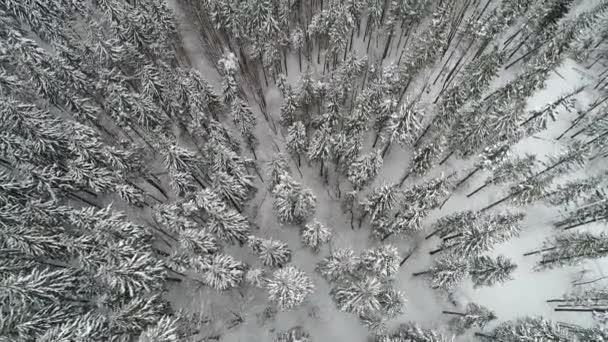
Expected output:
(293, 203)
(221, 271)
(295, 334)
(338, 265)
(482, 235)
(528, 328)
(475, 316)
(288, 287)
(272, 253)
(424, 158)
(297, 140)
(487, 271)
(571, 249)
(414, 333)
(516, 169)
(381, 200)
(382, 261)
(446, 273)
(315, 234)
(364, 169)
(593, 209)
(275, 168)
(404, 125)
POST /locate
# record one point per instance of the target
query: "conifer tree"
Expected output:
(414, 333)
(382, 261)
(295, 334)
(487, 271)
(338, 265)
(293, 203)
(288, 287)
(445, 273)
(381, 200)
(275, 167)
(221, 271)
(297, 140)
(571, 249)
(315, 234)
(364, 169)
(475, 316)
(528, 328)
(481, 236)
(272, 253)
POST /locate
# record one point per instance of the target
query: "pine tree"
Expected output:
(487, 271)
(424, 158)
(297, 140)
(275, 167)
(482, 235)
(229, 66)
(364, 169)
(381, 200)
(272, 253)
(408, 219)
(516, 169)
(293, 203)
(338, 265)
(315, 234)
(571, 249)
(288, 287)
(221, 271)
(446, 273)
(381, 262)
(475, 316)
(528, 328)
(295, 334)
(367, 297)
(414, 333)
(404, 125)
(592, 209)
(453, 223)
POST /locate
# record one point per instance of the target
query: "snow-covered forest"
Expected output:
(303, 170)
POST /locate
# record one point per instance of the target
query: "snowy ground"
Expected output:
(525, 295)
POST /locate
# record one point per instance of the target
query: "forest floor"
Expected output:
(526, 294)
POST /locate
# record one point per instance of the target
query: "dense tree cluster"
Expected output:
(124, 175)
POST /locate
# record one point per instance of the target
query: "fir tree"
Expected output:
(487, 271)
(288, 287)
